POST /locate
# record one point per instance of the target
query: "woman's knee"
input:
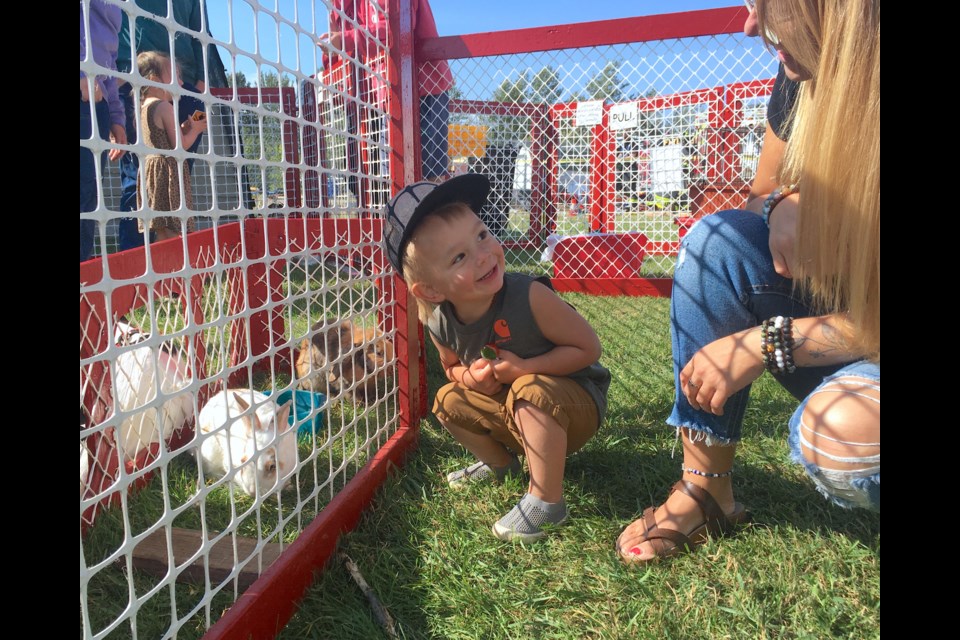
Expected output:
(841, 424)
(727, 248)
(838, 440)
(731, 229)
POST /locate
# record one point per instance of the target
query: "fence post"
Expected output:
(401, 74)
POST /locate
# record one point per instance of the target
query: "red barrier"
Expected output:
(258, 289)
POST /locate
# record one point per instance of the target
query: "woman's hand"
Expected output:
(480, 376)
(720, 369)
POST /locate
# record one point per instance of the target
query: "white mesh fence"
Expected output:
(281, 291)
(639, 138)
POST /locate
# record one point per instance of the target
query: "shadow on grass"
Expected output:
(633, 482)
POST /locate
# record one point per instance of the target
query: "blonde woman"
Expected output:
(733, 316)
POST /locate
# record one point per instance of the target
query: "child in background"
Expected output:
(106, 121)
(522, 363)
(159, 126)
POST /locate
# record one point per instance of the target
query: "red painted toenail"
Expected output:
(636, 551)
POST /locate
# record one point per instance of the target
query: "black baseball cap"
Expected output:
(406, 209)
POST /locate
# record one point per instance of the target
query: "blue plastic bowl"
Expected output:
(305, 404)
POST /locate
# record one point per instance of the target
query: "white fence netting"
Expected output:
(281, 294)
(605, 154)
(639, 138)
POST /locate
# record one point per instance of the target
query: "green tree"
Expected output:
(459, 117)
(545, 86)
(509, 128)
(608, 84)
(270, 79)
(238, 80)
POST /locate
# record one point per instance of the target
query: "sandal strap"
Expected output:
(714, 518)
(649, 519)
(657, 536)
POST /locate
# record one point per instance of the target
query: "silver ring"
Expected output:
(693, 384)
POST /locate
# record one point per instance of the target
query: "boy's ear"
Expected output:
(424, 291)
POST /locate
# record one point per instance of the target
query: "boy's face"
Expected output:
(466, 261)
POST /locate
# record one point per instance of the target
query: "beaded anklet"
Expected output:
(705, 474)
(776, 345)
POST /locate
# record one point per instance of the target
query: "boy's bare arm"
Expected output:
(577, 343)
(479, 376)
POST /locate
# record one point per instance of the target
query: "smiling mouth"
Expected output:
(489, 274)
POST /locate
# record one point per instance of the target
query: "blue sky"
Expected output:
(453, 17)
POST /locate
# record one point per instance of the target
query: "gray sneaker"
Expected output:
(482, 472)
(523, 522)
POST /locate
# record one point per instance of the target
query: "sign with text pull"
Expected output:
(624, 116)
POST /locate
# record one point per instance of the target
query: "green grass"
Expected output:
(326, 467)
(352, 433)
(803, 569)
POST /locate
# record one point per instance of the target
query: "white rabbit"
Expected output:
(84, 456)
(84, 468)
(250, 446)
(135, 385)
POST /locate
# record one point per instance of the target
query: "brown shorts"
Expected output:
(560, 397)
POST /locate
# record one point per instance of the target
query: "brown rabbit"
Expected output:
(377, 351)
(342, 358)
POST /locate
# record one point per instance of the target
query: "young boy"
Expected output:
(522, 363)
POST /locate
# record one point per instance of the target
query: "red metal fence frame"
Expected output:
(724, 113)
(268, 604)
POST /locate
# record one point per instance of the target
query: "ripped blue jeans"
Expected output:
(725, 282)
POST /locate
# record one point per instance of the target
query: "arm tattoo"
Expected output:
(831, 342)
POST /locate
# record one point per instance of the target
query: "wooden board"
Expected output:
(150, 555)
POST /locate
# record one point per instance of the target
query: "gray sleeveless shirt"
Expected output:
(509, 324)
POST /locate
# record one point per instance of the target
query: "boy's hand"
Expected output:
(508, 367)
(480, 376)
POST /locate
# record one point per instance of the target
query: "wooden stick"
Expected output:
(379, 611)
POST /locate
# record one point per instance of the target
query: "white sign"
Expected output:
(666, 168)
(589, 113)
(624, 116)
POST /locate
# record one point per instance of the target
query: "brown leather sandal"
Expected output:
(669, 542)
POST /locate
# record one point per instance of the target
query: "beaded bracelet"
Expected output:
(774, 199)
(776, 345)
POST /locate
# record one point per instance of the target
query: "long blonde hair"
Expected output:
(834, 155)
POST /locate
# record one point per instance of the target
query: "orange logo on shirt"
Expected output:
(502, 330)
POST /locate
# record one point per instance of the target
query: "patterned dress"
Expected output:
(161, 173)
